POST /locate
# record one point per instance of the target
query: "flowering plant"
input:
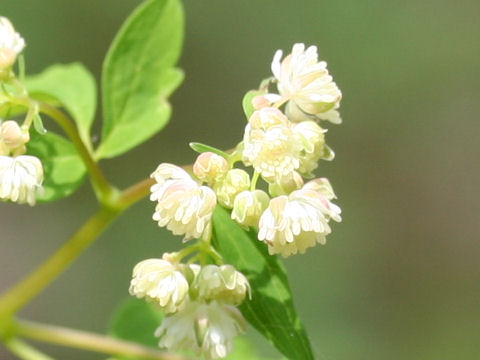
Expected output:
(235, 209)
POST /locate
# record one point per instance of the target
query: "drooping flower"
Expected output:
(206, 328)
(11, 43)
(183, 206)
(249, 206)
(306, 83)
(234, 182)
(222, 283)
(161, 282)
(296, 222)
(270, 144)
(21, 178)
(210, 167)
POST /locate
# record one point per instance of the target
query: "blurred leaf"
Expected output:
(71, 86)
(271, 309)
(243, 350)
(138, 76)
(136, 320)
(64, 170)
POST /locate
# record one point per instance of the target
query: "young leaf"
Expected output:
(71, 86)
(63, 168)
(271, 309)
(201, 148)
(138, 76)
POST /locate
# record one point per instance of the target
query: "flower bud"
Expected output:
(222, 283)
(159, 281)
(210, 167)
(234, 182)
(12, 135)
(291, 182)
(249, 206)
(260, 101)
(11, 44)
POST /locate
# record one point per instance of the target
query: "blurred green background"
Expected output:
(400, 277)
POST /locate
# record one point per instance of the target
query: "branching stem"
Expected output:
(24, 351)
(88, 341)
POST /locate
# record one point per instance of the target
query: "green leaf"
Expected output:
(136, 320)
(271, 309)
(71, 86)
(243, 350)
(138, 76)
(63, 168)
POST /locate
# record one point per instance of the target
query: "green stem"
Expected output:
(253, 184)
(24, 351)
(34, 283)
(87, 341)
(104, 191)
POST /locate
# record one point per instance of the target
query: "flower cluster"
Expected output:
(282, 149)
(283, 144)
(200, 303)
(21, 175)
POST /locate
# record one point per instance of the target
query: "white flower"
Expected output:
(249, 206)
(208, 329)
(20, 178)
(270, 144)
(296, 222)
(11, 43)
(305, 81)
(210, 167)
(184, 207)
(159, 281)
(222, 283)
(236, 181)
